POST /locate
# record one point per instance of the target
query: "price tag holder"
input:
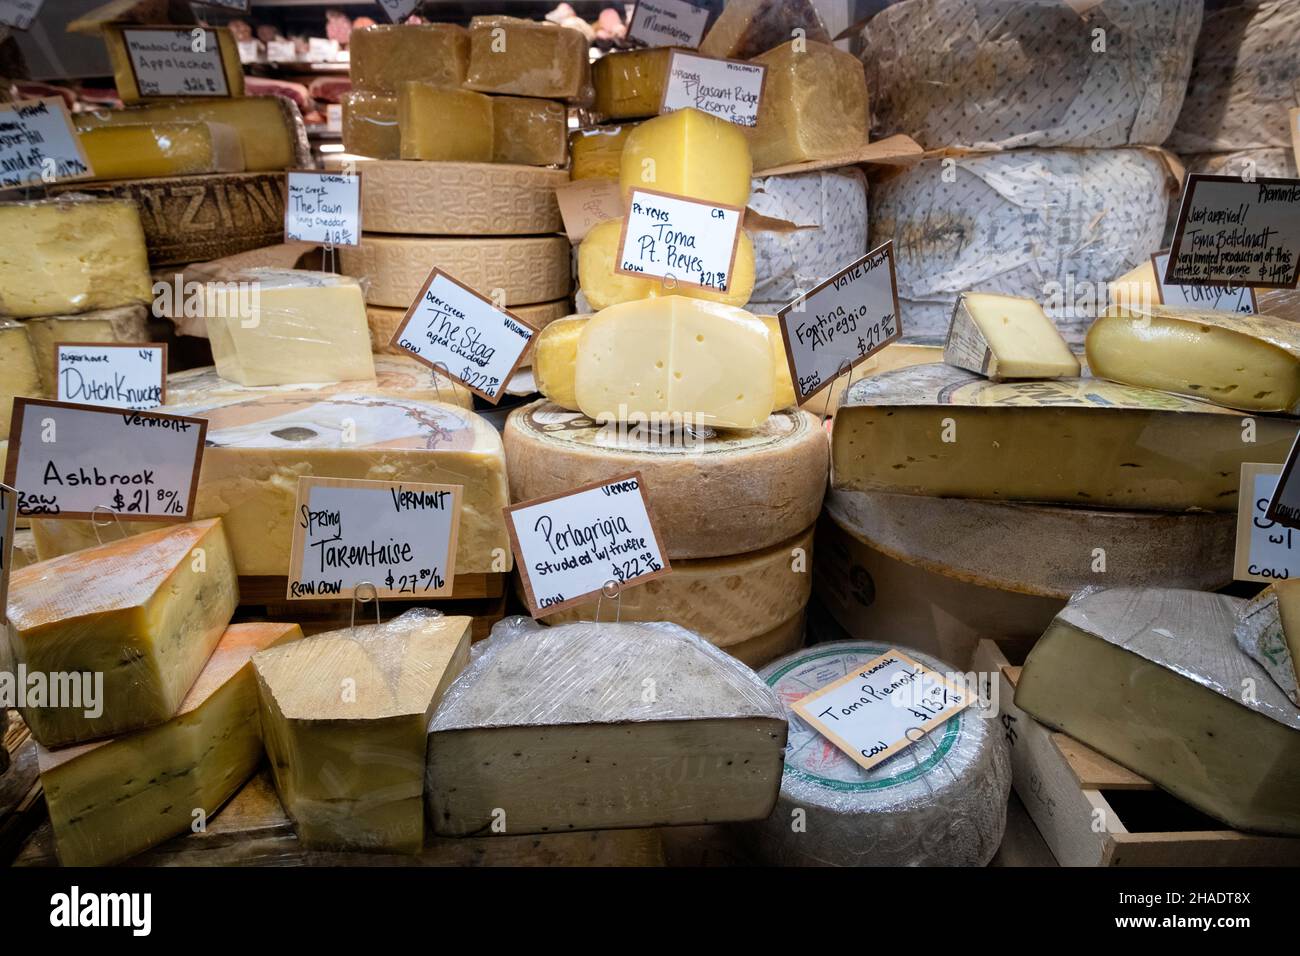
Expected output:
(8, 517)
(570, 545)
(399, 536)
(1266, 551)
(453, 329)
(585, 203)
(841, 322)
(667, 23)
(728, 89)
(165, 63)
(67, 460)
(1221, 298)
(38, 144)
(323, 207)
(19, 14)
(884, 706)
(1233, 232)
(398, 10)
(116, 375)
(681, 241)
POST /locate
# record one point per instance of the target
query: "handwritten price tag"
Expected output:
(68, 460)
(679, 240)
(38, 144)
(728, 89)
(19, 14)
(667, 23)
(569, 546)
(8, 516)
(1233, 232)
(117, 375)
(1223, 298)
(398, 10)
(323, 207)
(1266, 551)
(165, 62)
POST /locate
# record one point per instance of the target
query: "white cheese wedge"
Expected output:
(1269, 631)
(1003, 336)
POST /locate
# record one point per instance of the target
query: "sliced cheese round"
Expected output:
(940, 802)
(711, 492)
(384, 322)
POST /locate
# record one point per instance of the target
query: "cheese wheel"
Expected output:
(459, 199)
(384, 322)
(783, 639)
(711, 493)
(519, 269)
(940, 802)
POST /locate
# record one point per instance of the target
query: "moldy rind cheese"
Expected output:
(1068, 441)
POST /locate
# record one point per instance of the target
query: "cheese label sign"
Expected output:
(1233, 231)
(1284, 504)
(71, 461)
(842, 322)
(176, 61)
(323, 208)
(585, 203)
(8, 517)
(1222, 298)
(19, 14)
(116, 375)
(728, 89)
(398, 10)
(667, 23)
(884, 706)
(453, 329)
(398, 536)
(38, 144)
(1266, 550)
(678, 240)
(574, 546)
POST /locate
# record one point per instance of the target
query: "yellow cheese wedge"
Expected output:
(630, 83)
(163, 149)
(370, 124)
(385, 56)
(526, 58)
(529, 132)
(124, 75)
(443, 124)
(144, 612)
(598, 152)
(112, 799)
(688, 153)
(1004, 336)
(814, 105)
(18, 370)
(127, 323)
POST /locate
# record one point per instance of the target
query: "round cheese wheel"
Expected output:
(385, 322)
(940, 802)
(783, 639)
(711, 493)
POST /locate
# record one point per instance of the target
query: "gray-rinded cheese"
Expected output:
(1049, 225)
(940, 802)
(1014, 73)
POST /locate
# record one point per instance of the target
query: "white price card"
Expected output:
(1284, 505)
(176, 61)
(1266, 551)
(667, 23)
(1236, 232)
(116, 375)
(453, 329)
(281, 51)
(681, 241)
(8, 516)
(841, 322)
(323, 208)
(885, 705)
(572, 545)
(1222, 298)
(68, 461)
(19, 14)
(728, 89)
(398, 536)
(398, 10)
(38, 144)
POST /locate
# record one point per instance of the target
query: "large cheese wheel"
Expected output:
(940, 802)
(783, 639)
(459, 199)
(1006, 74)
(711, 493)
(524, 269)
(1051, 225)
(384, 322)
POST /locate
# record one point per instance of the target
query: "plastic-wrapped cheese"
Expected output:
(1050, 225)
(940, 802)
(1013, 73)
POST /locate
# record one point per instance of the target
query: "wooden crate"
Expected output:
(1093, 812)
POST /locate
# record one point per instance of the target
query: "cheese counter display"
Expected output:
(755, 433)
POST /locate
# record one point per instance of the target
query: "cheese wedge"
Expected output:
(1004, 336)
(163, 149)
(370, 124)
(124, 74)
(1269, 631)
(127, 323)
(526, 58)
(598, 152)
(112, 799)
(18, 371)
(688, 153)
(444, 124)
(385, 56)
(344, 716)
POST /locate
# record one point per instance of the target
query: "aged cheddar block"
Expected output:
(19, 374)
(370, 125)
(1268, 630)
(71, 255)
(814, 106)
(383, 57)
(1003, 336)
(597, 153)
(344, 715)
(444, 124)
(163, 149)
(1152, 679)
(124, 75)
(528, 131)
(295, 326)
(127, 323)
(596, 753)
(630, 83)
(112, 799)
(746, 28)
(145, 612)
(526, 58)
(688, 153)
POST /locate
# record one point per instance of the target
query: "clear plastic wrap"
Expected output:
(529, 132)
(370, 124)
(1004, 74)
(746, 28)
(19, 371)
(940, 802)
(630, 83)
(597, 153)
(124, 74)
(595, 726)
(527, 58)
(385, 56)
(162, 149)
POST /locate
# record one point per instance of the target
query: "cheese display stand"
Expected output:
(757, 434)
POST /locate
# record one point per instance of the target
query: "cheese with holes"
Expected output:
(124, 73)
(940, 802)
(1248, 362)
(675, 359)
(115, 798)
(370, 125)
(746, 28)
(814, 105)
(163, 149)
(937, 430)
(597, 153)
(344, 716)
(630, 83)
(711, 493)
(71, 255)
(688, 153)
(1152, 679)
(1004, 336)
(526, 58)
(385, 322)
(512, 270)
(295, 326)
(128, 323)
(385, 56)
(1268, 630)
(437, 123)
(19, 374)
(529, 132)
(144, 612)
(598, 751)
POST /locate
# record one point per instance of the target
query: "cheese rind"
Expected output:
(1268, 630)
(163, 149)
(746, 28)
(529, 132)
(630, 83)
(19, 374)
(370, 125)
(597, 153)
(444, 124)
(385, 56)
(526, 58)
(785, 638)
(128, 323)
(124, 74)
(1003, 336)
(688, 153)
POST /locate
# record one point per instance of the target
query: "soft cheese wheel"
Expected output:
(384, 322)
(712, 493)
(940, 802)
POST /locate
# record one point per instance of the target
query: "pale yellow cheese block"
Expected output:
(384, 56)
(385, 322)
(438, 123)
(163, 149)
(127, 323)
(688, 153)
(1005, 336)
(19, 374)
(124, 75)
